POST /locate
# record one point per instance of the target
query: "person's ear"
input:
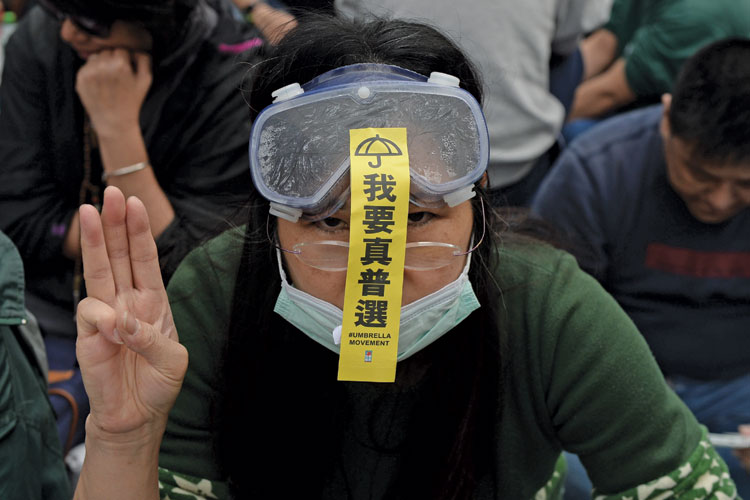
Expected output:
(484, 181)
(666, 101)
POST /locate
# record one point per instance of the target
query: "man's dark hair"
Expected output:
(711, 101)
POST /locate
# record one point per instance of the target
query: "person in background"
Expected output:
(274, 18)
(8, 23)
(143, 95)
(635, 57)
(528, 55)
(31, 462)
(18, 7)
(660, 200)
(507, 352)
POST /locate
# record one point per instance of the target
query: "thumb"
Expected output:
(165, 355)
(142, 68)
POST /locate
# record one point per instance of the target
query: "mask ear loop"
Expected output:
(273, 242)
(481, 239)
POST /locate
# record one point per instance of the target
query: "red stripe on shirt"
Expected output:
(697, 263)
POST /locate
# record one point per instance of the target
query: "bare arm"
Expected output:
(602, 94)
(72, 242)
(598, 50)
(127, 148)
(112, 86)
(117, 468)
(273, 23)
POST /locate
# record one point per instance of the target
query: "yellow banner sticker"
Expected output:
(377, 243)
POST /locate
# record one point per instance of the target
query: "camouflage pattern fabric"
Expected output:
(553, 490)
(176, 486)
(704, 476)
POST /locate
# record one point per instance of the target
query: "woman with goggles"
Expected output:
(507, 352)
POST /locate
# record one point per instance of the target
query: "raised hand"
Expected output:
(131, 361)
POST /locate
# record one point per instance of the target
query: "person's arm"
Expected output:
(131, 360)
(112, 85)
(118, 467)
(609, 403)
(72, 241)
(572, 18)
(273, 23)
(203, 173)
(602, 94)
(598, 51)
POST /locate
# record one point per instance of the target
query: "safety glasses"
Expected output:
(88, 25)
(333, 255)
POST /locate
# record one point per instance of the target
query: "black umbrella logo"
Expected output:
(378, 147)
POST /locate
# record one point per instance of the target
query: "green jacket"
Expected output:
(31, 462)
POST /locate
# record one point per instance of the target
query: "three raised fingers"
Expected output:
(118, 248)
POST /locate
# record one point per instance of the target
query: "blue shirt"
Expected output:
(685, 284)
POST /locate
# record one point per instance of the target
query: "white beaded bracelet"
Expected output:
(124, 170)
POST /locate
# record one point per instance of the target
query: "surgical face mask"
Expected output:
(422, 322)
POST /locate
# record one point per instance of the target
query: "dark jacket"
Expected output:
(195, 124)
(31, 463)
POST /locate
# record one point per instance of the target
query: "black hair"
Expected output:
(343, 42)
(711, 101)
(163, 19)
(282, 408)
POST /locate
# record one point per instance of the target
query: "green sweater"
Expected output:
(581, 378)
(656, 37)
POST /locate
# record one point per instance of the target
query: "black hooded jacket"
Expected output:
(194, 120)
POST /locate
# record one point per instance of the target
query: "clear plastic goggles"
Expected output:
(299, 146)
